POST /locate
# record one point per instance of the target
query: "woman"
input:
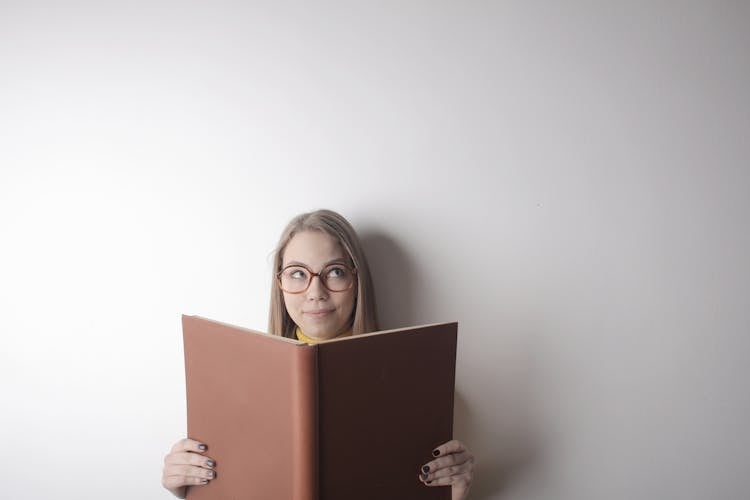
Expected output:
(341, 302)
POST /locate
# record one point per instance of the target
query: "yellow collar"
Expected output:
(309, 340)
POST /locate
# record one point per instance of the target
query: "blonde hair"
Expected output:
(333, 224)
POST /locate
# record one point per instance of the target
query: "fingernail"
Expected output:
(202, 447)
(210, 474)
(425, 468)
(210, 463)
(435, 453)
(204, 481)
(423, 476)
(428, 482)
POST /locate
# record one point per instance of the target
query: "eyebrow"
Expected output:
(338, 260)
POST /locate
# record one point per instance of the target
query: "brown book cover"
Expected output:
(351, 418)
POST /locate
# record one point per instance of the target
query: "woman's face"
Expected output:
(320, 313)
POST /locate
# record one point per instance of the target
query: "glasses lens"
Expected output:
(337, 278)
(294, 279)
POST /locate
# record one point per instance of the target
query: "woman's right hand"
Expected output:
(186, 465)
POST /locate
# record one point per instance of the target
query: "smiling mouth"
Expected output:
(318, 314)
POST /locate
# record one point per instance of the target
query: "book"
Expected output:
(350, 418)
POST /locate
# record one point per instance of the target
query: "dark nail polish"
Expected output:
(428, 482)
(435, 453)
(423, 476)
(425, 468)
(202, 447)
(210, 463)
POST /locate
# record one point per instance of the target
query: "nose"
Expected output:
(316, 290)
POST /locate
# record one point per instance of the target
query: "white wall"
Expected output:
(569, 181)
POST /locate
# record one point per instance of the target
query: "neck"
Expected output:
(312, 340)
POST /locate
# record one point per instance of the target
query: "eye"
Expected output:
(336, 272)
(296, 273)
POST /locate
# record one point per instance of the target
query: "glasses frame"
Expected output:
(351, 269)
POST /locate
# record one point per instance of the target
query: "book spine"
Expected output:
(305, 424)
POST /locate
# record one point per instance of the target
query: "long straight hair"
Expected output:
(333, 224)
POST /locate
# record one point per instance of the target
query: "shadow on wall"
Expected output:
(394, 275)
(506, 446)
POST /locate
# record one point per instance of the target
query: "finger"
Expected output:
(188, 471)
(454, 470)
(452, 446)
(176, 476)
(447, 461)
(187, 444)
(174, 482)
(190, 458)
(463, 480)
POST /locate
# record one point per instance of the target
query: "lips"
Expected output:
(318, 313)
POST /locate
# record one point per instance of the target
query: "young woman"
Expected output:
(321, 290)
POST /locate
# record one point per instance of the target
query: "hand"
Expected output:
(453, 466)
(185, 465)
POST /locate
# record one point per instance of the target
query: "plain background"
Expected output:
(568, 180)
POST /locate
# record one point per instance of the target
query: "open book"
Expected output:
(348, 419)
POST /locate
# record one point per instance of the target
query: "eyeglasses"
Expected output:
(335, 277)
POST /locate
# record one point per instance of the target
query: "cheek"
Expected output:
(349, 305)
(291, 303)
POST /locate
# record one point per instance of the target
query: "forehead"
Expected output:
(313, 248)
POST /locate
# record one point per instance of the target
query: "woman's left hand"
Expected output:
(453, 465)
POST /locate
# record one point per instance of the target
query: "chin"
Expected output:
(320, 331)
